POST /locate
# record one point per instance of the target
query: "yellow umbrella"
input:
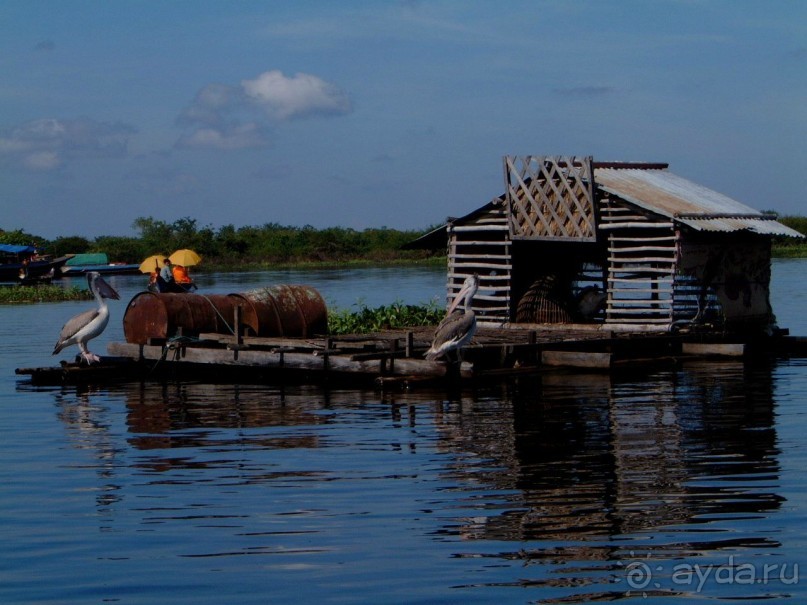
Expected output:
(152, 263)
(185, 257)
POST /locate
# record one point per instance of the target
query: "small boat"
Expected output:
(37, 280)
(161, 286)
(20, 263)
(80, 264)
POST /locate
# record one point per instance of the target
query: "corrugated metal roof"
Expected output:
(686, 202)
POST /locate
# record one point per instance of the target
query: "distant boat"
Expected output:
(23, 264)
(80, 264)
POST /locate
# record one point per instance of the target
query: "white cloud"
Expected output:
(300, 96)
(241, 136)
(209, 105)
(48, 143)
(213, 119)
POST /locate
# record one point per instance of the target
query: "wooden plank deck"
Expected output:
(395, 357)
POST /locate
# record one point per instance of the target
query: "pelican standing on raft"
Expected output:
(86, 326)
(458, 327)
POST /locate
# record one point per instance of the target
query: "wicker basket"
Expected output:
(542, 304)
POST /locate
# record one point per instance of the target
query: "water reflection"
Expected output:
(586, 472)
(562, 479)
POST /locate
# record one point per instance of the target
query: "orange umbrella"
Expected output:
(185, 257)
(152, 263)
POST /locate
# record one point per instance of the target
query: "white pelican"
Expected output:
(86, 326)
(458, 327)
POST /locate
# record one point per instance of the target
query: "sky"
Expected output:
(395, 114)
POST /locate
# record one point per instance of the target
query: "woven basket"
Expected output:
(540, 304)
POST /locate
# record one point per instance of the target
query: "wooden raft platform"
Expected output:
(395, 357)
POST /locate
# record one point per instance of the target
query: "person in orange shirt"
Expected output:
(182, 277)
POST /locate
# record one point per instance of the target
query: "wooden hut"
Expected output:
(629, 245)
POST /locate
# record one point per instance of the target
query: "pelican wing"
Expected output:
(73, 325)
(454, 331)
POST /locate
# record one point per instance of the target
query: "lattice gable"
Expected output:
(550, 198)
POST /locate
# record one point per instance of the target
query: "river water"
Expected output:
(663, 486)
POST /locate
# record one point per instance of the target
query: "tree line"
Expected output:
(270, 243)
(233, 246)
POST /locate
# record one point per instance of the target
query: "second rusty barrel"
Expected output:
(284, 310)
(279, 310)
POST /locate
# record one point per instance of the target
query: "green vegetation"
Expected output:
(396, 315)
(789, 247)
(243, 248)
(45, 293)
(273, 245)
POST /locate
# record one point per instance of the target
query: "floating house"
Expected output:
(581, 264)
(631, 246)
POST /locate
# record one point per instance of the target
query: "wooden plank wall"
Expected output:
(642, 264)
(482, 246)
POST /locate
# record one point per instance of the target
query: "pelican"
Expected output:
(86, 326)
(458, 327)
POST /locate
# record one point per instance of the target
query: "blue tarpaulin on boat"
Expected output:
(14, 249)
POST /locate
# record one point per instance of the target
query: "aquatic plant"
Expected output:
(16, 294)
(396, 315)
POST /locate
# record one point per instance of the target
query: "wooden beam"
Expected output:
(576, 359)
(288, 360)
(713, 349)
(636, 226)
(472, 228)
(632, 165)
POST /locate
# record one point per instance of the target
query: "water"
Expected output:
(670, 486)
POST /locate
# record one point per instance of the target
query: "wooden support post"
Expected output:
(239, 338)
(393, 347)
(410, 344)
(180, 349)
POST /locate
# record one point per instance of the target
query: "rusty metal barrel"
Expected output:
(284, 310)
(280, 310)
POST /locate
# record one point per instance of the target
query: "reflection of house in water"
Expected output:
(591, 457)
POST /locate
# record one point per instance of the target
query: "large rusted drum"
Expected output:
(158, 316)
(284, 310)
(279, 310)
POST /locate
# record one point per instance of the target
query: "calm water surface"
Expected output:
(675, 485)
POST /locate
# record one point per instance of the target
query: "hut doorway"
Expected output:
(554, 282)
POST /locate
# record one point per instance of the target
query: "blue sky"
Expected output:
(369, 114)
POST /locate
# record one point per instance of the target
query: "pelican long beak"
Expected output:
(459, 298)
(105, 290)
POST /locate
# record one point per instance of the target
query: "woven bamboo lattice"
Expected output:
(550, 198)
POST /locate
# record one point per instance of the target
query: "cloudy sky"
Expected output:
(381, 113)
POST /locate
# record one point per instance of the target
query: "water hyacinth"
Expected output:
(385, 317)
(17, 294)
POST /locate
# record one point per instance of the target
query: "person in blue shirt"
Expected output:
(165, 281)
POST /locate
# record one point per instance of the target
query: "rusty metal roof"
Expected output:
(698, 207)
